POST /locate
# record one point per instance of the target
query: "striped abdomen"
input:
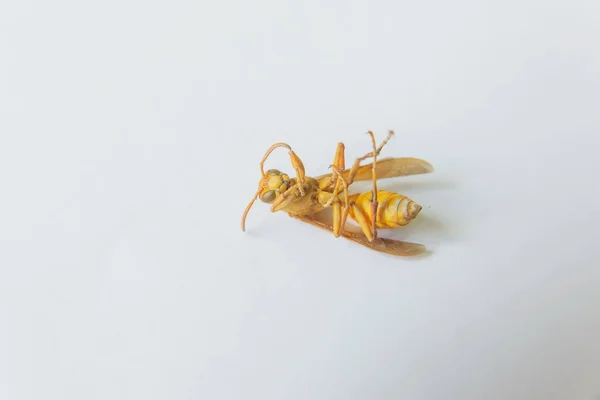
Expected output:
(394, 209)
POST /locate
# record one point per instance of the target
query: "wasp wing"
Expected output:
(384, 245)
(389, 168)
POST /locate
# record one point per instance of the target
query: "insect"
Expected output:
(304, 197)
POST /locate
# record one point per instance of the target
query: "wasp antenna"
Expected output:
(248, 207)
(269, 151)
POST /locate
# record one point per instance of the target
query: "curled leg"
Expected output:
(352, 175)
(340, 215)
(340, 162)
(337, 218)
(375, 153)
(374, 203)
(363, 221)
(337, 190)
(300, 172)
(284, 199)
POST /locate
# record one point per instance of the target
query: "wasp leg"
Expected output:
(284, 199)
(340, 215)
(374, 203)
(363, 221)
(337, 190)
(356, 165)
(337, 218)
(354, 171)
(339, 161)
(300, 172)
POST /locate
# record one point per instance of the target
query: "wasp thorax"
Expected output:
(274, 182)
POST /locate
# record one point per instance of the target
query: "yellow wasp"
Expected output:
(304, 197)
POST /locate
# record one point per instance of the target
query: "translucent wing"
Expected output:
(389, 168)
(384, 245)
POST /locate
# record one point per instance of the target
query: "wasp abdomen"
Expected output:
(394, 209)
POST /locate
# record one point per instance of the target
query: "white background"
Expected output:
(131, 133)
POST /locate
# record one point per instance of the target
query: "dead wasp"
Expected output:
(304, 197)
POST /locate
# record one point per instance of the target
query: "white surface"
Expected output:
(131, 136)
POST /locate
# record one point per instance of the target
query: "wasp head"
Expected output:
(274, 182)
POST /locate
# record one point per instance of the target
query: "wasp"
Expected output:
(304, 197)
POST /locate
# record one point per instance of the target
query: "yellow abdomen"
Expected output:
(394, 209)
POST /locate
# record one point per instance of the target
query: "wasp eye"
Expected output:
(273, 172)
(268, 197)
